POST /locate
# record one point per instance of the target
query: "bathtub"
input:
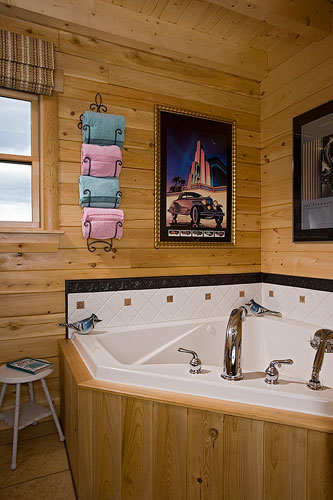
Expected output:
(147, 356)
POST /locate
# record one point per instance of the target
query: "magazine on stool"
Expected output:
(29, 365)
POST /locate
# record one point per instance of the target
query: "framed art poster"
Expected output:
(194, 179)
(313, 174)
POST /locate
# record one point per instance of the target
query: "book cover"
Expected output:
(29, 365)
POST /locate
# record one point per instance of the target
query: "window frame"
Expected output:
(34, 159)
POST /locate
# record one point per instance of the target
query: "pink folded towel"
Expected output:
(100, 161)
(102, 223)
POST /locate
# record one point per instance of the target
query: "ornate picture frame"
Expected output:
(195, 179)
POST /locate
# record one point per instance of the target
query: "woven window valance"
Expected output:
(26, 63)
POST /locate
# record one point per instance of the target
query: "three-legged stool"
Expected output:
(30, 412)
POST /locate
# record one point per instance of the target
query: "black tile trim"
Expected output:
(325, 285)
(112, 284)
(108, 285)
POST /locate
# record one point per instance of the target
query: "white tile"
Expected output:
(158, 299)
(181, 315)
(217, 295)
(118, 320)
(149, 311)
(71, 305)
(207, 307)
(93, 303)
(319, 316)
(198, 313)
(170, 310)
(104, 296)
(198, 297)
(159, 318)
(151, 305)
(139, 300)
(180, 297)
(224, 306)
(188, 309)
(79, 296)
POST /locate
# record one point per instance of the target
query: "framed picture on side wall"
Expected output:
(313, 174)
(195, 172)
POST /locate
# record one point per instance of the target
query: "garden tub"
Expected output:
(147, 356)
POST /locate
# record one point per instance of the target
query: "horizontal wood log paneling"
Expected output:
(155, 65)
(131, 82)
(297, 85)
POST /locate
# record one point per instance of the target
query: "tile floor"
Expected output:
(42, 472)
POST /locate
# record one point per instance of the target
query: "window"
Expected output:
(19, 160)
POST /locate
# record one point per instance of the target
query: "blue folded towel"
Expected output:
(102, 192)
(103, 129)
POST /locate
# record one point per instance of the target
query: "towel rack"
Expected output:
(97, 105)
(87, 159)
(116, 198)
(117, 132)
(108, 245)
(100, 108)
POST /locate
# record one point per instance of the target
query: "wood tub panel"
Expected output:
(124, 444)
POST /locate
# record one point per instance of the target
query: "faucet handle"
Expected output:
(195, 361)
(272, 373)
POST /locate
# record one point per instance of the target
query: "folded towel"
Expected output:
(100, 192)
(103, 129)
(102, 223)
(100, 161)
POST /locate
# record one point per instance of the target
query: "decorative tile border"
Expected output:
(134, 307)
(132, 301)
(107, 285)
(298, 281)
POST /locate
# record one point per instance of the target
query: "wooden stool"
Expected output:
(30, 412)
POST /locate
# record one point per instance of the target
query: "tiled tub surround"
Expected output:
(153, 305)
(162, 304)
(301, 304)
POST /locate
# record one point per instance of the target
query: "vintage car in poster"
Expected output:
(197, 207)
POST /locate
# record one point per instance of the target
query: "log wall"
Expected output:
(131, 82)
(297, 85)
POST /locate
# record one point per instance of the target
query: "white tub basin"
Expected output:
(147, 356)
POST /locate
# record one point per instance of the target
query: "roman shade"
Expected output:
(26, 63)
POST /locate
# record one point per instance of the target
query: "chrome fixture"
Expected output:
(323, 342)
(272, 374)
(195, 361)
(233, 343)
(259, 310)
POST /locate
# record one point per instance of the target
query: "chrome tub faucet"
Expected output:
(233, 343)
(233, 338)
(323, 342)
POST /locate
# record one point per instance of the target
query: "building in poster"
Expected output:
(198, 200)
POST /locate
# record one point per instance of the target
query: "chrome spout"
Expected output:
(323, 342)
(233, 343)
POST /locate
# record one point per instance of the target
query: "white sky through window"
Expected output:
(15, 192)
(15, 126)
